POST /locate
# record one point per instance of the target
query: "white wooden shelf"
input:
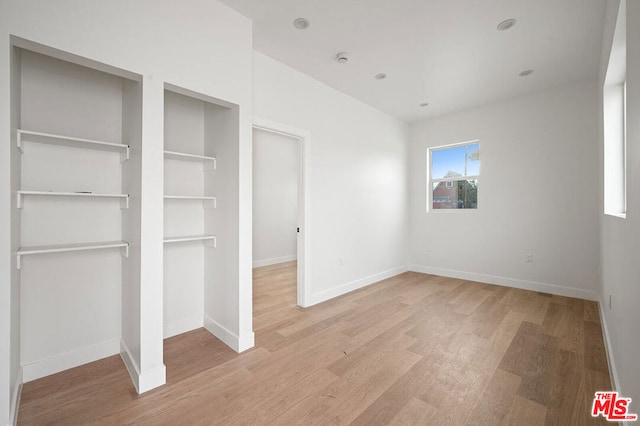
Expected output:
(207, 202)
(51, 138)
(174, 155)
(62, 248)
(209, 240)
(123, 197)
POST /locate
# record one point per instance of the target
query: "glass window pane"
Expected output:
(473, 160)
(457, 161)
(463, 194)
(448, 162)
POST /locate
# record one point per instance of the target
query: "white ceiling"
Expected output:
(445, 52)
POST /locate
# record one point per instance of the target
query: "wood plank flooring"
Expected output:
(411, 350)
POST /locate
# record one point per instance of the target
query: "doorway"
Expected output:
(282, 149)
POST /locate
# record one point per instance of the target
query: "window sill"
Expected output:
(618, 215)
(454, 211)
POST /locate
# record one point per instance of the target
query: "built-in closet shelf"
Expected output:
(123, 197)
(173, 155)
(209, 240)
(62, 248)
(50, 138)
(207, 202)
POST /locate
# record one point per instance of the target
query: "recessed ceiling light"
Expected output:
(342, 57)
(424, 104)
(380, 76)
(301, 23)
(525, 73)
(506, 24)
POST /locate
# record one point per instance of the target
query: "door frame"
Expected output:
(304, 137)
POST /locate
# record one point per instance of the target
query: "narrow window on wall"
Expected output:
(453, 173)
(614, 119)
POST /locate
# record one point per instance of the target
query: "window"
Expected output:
(453, 173)
(614, 111)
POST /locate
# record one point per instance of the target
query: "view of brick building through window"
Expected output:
(455, 194)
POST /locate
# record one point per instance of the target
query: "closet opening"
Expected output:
(75, 159)
(200, 167)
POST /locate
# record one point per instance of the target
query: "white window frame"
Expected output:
(431, 180)
(614, 109)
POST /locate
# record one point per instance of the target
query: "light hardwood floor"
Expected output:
(414, 349)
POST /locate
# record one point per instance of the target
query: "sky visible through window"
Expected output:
(453, 159)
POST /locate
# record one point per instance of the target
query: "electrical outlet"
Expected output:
(528, 258)
(341, 261)
(610, 300)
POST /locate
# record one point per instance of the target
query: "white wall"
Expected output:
(620, 238)
(130, 341)
(275, 197)
(221, 296)
(203, 46)
(10, 371)
(357, 173)
(536, 194)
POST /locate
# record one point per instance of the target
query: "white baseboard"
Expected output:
(130, 363)
(613, 373)
(324, 295)
(508, 282)
(235, 342)
(142, 381)
(246, 341)
(153, 378)
(274, 260)
(37, 369)
(15, 399)
(182, 326)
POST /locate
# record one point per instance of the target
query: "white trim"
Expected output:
(129, 363)
(44, 367)
(451, 145)
(353, 285)
(246, 341)
(274, 260)
(456, 179)
(625, 154)
(146, 381)
(558, 290)
(182, 326)
(304, 196)
(613, 372)
(151, 379)
(15, 399)
(267, 125)
(618, 215)
(454, 211)
(238, 344)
